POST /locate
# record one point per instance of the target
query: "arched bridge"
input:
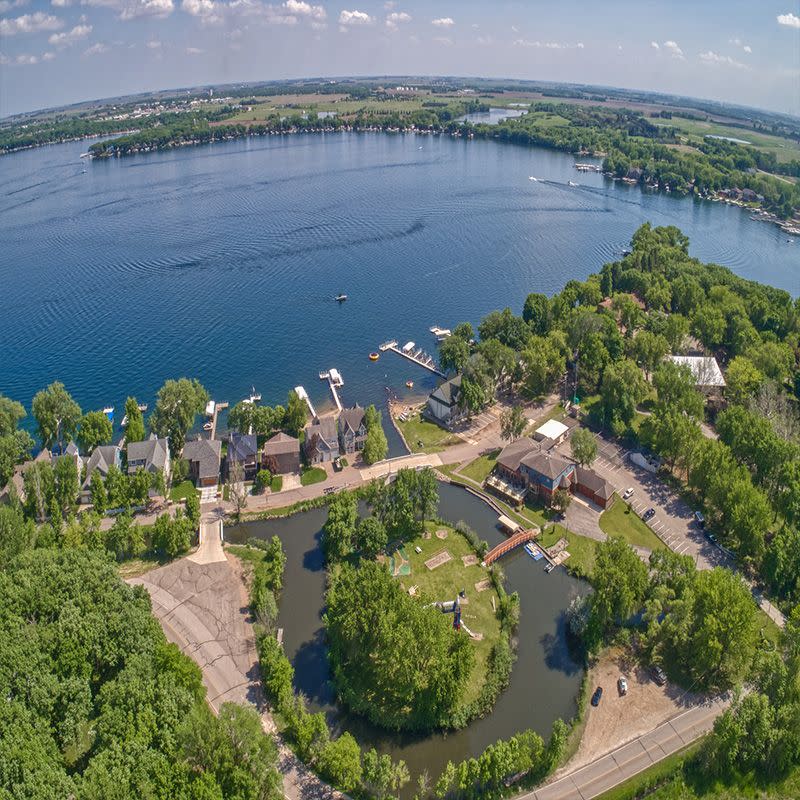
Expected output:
(520, 537)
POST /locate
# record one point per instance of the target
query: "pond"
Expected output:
(545, 679)
(493, 116)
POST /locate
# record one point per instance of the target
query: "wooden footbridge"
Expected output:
(521, 537)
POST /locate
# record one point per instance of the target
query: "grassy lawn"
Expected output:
(424, 437)
(582, 551)
(277, 483)
(620, 520)
(478, 469)
(444, 583)
(312, 475)
(182, 491)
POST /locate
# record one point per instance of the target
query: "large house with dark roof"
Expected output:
(281, 454)
(101, 460)
(151, 455)
(443, 406)
(593, 487)
(352, 429)
(321, 440)
(243, 449)
(203, 456)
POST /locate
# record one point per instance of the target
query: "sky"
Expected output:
(55, 52)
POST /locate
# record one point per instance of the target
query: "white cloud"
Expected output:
(30, 23)
(22, 60)
(654, 45)
(70, 37)
(673, 49)
(194, 51)
(747, 48)
(397, 18)
(791, 20)
(348, 19)
(48, 56)
(548, 45)
(710, 57)
(60, 3)
(737, 42)
(134, 9)
(443, 22)
(484, 41)
(446, 41)
(7, 5)
(200, 8)
(303, 9)
(96, 49)
(514, 29)
(154, 44)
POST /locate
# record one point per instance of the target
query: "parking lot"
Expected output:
(673, 521)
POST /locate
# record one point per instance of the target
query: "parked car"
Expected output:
(627, 493)
(700, 519)
(598, 693)
(710, 536)
(328, 490)
(622, 686)
(649, 514)
(659, 676)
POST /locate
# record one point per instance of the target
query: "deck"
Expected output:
(418, 356)
(335, 380)
(303, 395)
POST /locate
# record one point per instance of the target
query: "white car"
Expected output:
(627, 493)
(622, 686)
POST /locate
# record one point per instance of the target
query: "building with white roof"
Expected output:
(706, 371)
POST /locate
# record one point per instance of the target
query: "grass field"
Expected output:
(276, 484)
(478, 469)
(424, 437)
(582, 551)
(620, 520)
(694, 130)
(445, 582)
(182, 491)
(312, 475)
(283, 105)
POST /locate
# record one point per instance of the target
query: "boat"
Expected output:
(142, 407)
(124, 422)
(109, 412)
(440, 333)
(374, 356)
(531, 178)
(340, 298)
(410, 384)
(255, 397)
(533, 551)
(210, 407)
(549, 568)
(572, 183)
(208, 426)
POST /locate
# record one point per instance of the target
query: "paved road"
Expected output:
(634, 757)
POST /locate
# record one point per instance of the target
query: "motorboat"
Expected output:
(340, 298)
(208, 426)
(109, 412)
(410, 384)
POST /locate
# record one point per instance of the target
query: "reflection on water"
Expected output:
(545, 679)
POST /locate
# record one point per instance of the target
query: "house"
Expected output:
(554, 431)
(321, 440)
(101, 460)
(204, 457)
(352, 429)
(528, 465)
(443, 407)
(243, 449)
(594, 488)
(151, 455)
(705, 370)
(17, 479)
(70, 451)
(282, 452)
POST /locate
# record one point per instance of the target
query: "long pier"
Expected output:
(335, 380)
(418, 356)
(303, 395)
(217, 408)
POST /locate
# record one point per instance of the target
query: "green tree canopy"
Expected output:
(57, 415)
(178, 403)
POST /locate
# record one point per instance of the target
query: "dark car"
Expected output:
(598, 693)
(328, 490)
(659, 676)
(649, 514)
(700, 519)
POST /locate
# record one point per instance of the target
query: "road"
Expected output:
(634, 757)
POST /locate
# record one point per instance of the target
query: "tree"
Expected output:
(472, 396)
(340, 762)
(117, 488)
(67, 483)
(134, 430)
(11, 412)
(583, 446)
(178, 402)
(98, 493)
(561, 500)
(15, 447)
(536, 313)
(296, 414)
(503, 325)
(648, 350)
(241, 417)
(170, 537)
(453, 353)
(381, 776)
(543, 363)
(124, 537)
(371, 537)
(263, 481)
(237, 491)
(57, 415)
(95, 429)
(622, 389)
(501, 361)
(743, 380)
(340, 528)
(464, 331)
(39, 483)
(375, 444)
(676, 329)
(512, 423)
(17, 534)
(675, 385)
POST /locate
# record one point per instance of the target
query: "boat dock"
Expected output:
(589, 167)
(214, 417)
(303, 395)
(335, 381)
(412, 353)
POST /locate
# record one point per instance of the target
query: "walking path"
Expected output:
(634, 757)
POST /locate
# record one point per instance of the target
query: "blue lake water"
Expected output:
(222, 262)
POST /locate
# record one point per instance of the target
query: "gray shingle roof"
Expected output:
(241, 447)
(513, 453)
(351, 419)
(448, 392)
(101, 459)
(207, 452)
(280, 444)
(152, 451)
(546, 464)
(591, 480)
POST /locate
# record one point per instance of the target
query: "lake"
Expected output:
(544, 682)
(221, 262)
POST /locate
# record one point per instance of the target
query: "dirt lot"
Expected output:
(618, 720)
